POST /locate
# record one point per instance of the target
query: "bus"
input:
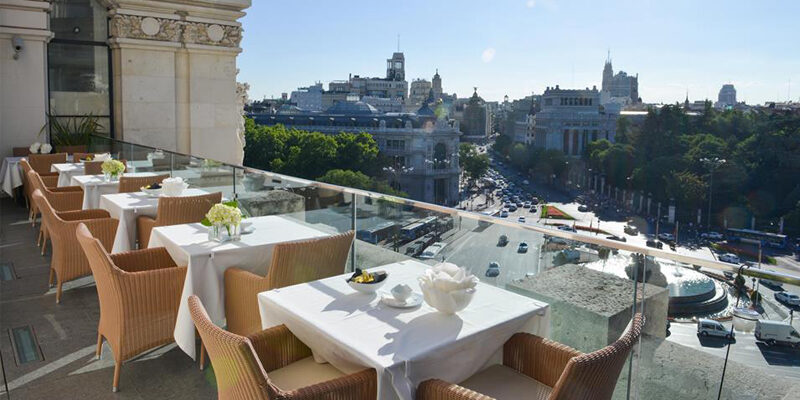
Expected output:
(418, 228)
(753, 236)
(432, 251)
(377, 233)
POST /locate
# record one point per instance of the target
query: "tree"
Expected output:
(358, 180)
(502, 144)
(473, 163)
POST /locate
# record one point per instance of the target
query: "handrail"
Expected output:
(600, 241)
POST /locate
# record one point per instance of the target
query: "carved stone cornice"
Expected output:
(126, 26)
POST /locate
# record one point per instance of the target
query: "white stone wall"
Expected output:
(23, 90)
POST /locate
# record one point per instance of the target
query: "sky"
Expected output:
(519, 47)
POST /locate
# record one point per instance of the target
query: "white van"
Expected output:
(775, 332)
(709, 327)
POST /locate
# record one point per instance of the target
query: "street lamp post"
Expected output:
(396, 171)
(711, 164)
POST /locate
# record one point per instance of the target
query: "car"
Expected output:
(709, 327)
(654, 243)
(566, 228)
(512, 208)
(730, 258)
(667, 237)
(521, 219)
(712, 235)
(788, 298)
(631, 230)
(504, 214)
(583, 208)
(728, 274)
(617, 238)
(502, 240)
(525, 182)
(522, 248)
(527, 204)
(535, 200)
(494, 270)
(520, 204)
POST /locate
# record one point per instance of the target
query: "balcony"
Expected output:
(588, 282)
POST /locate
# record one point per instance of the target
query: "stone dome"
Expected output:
(352, 108)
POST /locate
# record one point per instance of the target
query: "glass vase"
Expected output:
(108, 177)
(224, 233)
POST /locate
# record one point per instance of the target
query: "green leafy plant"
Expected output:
(71, 131)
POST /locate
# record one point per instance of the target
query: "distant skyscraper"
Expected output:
(396, 67)
(619, 86)
(727, 96)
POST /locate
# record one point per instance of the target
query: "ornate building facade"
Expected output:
(571, 119)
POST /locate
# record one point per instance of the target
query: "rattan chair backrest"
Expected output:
(129, 184)
(309, 260)
(185, 209)
(42, 163)
(594, 375)
(238, 370)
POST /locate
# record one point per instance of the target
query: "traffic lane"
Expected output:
(475, 250)
(779, 360)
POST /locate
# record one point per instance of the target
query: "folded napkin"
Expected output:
(448, 277)
(102, 157)
(176, 179)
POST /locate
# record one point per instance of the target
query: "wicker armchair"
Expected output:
(50, 179)
(68, 261)
(96, 167)
(274, 364)
(42, 163)
(292, 263)
(537, 368)
(174, 211)
(128, 184)
(67, 198)
(20, 151)
(139, 293)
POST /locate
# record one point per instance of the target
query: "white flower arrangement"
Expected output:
(225, 215)
(45, 148)
(35, 147)
(113, 167)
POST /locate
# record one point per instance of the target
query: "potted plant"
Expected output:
(223, 221)
(71, 134)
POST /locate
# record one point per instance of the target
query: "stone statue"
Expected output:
(241, 100)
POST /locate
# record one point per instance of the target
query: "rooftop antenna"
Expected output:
(789, 91)
(398, 42)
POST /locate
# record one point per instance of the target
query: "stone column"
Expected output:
(174, 68)
(23, 72)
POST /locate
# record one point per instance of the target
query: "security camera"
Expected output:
(18, 45)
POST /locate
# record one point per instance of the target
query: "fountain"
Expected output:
(691, 293)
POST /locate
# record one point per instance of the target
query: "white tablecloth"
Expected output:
(207, 261)
(126, 207)
(11, 174)
(66, 171)
(95, 186)
(354, 331)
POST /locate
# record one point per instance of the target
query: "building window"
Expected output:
(79, 67)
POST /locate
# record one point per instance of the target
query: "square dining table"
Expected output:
(126, 207)
(10, 174)
(207, 261)
(66, 171)
(95, 186)
(354, 331)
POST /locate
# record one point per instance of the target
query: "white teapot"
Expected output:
(173, 186)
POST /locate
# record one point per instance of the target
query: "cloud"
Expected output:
(530, 3)
(488, 55)
(549, 5)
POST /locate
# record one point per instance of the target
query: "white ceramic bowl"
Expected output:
(447, 302)
(366, 287)
(151, 192)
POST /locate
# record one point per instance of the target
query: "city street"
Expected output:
(778, 360)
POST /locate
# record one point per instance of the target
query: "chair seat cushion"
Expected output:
(305, 372)
(502, 383)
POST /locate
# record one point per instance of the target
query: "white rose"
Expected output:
(46, 148)
(35, 147)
